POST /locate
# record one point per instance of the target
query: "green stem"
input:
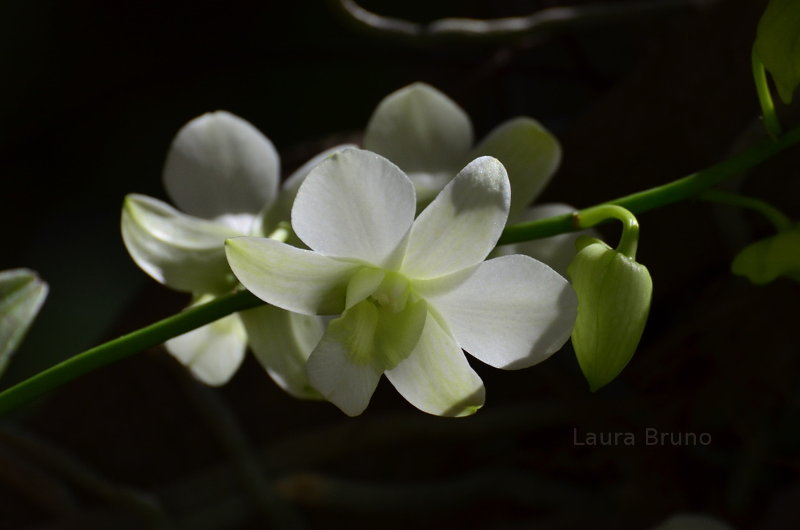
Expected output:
(771, 213)
(195, 317)
(771, 122)
(629, 240)
(658, 196)
(123, 347)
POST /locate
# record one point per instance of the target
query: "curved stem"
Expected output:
(778, 219)
(122, 347)
(771, 122)
(658, 196)
(629, 240)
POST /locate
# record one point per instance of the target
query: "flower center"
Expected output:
(383, 320)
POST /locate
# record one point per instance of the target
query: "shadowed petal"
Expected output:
(345, 382)
(282, 342)
(221, 167)
(213, 352)
(529, 153)
(22, 294)
(422, 131)
(179, 251)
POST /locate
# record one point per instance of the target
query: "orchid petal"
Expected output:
(282, 209)
(462, 225)
(355, 204)
(512, 312)
(436, 378)
(423, 131)
(213, 352)
(282, 342)
(291, 278)
(221, 167)
(179, 251)
(22, 294)
(555, 251)
(529, 153)
(346, 383)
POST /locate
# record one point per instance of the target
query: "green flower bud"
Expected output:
(21, 295)
(778, 47)
(767, 259)
(614, 293)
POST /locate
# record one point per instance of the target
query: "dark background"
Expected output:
(92, 94)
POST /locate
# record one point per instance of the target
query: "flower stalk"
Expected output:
(122, 347)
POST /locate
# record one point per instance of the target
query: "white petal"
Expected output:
(421, 130)
(556, 251)
(355, 204)
(529, 153)
(179, 251)
(213, 352)
(220, 167)
(346, 384)
(22, 294)
(291, 278)
(436, 378)
(282, 342)
(282, 209)
(462, 225)
(513, 312)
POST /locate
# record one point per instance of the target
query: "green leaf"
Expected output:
(778, 45)
(770, 258)
(614, 294)
(22, 294)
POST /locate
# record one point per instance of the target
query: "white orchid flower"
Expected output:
(430, 138)
(223, 173)
(411, 293)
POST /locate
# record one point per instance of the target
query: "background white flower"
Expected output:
(430, 138)
(223, 173)
(411, 293)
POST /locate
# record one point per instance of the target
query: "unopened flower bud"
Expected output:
(614, 293)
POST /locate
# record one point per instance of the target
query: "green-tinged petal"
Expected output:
(363, 284)
(436, 378)
(22, 294)
(512, 312)
(282, 209)
(614, 294)
(768, 259)
(422, 131)
(221, 167)
(556, 251)
(180, 251)
(778, 45)
(462, 225)
(213, 352)
(529, 153)
(354, 204)
(343, 382)
(291, 278)
(282, 342)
